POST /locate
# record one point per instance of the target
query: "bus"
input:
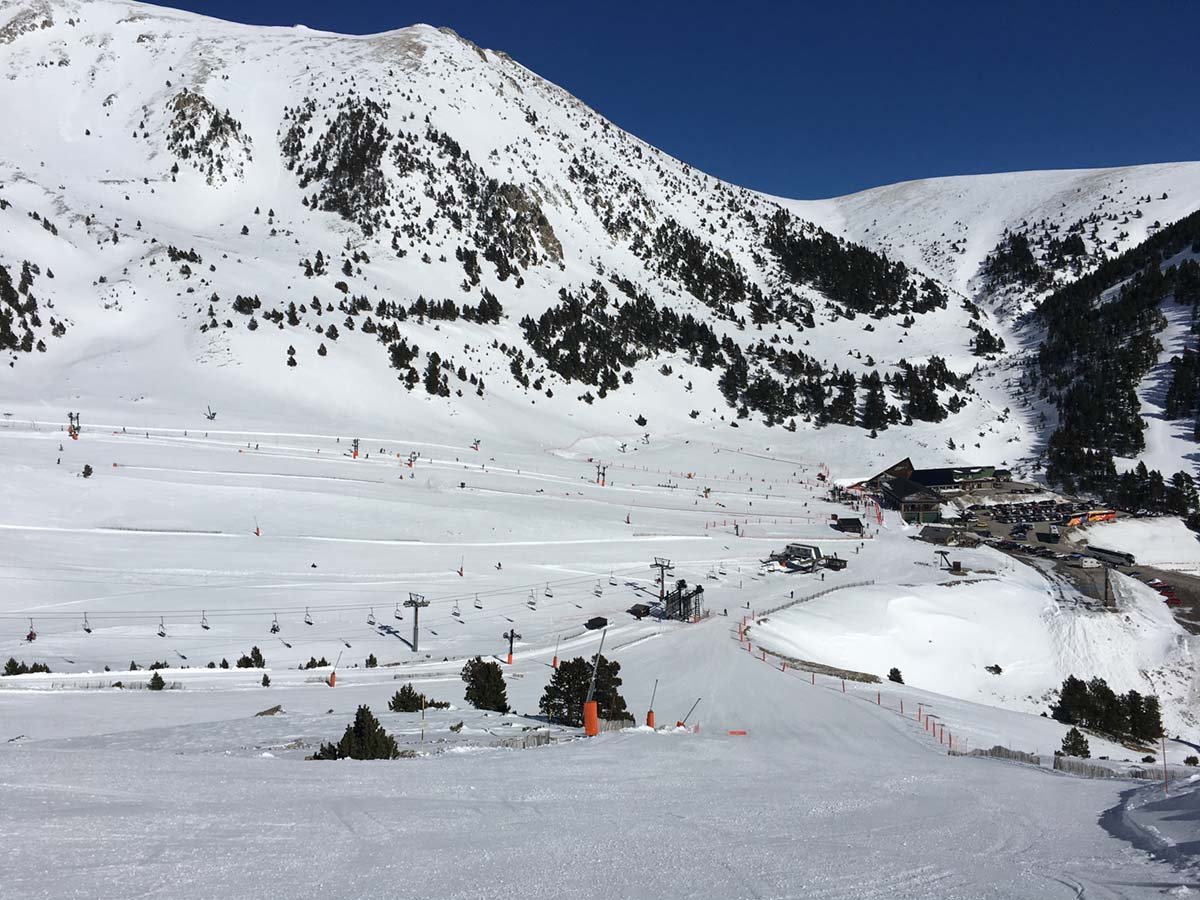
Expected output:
(1113, 557)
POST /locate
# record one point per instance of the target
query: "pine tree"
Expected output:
(406, 700)
(564, 696)
(1075, 744)
(156, 682)
(266, 680)
(894, 675)
(485, 685)
(364, 739)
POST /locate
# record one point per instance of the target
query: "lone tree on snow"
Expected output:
(1075, 744)
(364, 739)
(485, 685)
(894, 675)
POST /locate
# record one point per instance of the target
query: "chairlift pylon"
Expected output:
(371, 617)
(162, 627)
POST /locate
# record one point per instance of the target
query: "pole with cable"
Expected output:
(591, 711)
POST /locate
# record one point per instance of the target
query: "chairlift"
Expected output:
(371, 617)
(397, 615)
(32, 636)
(478, 602)
(612, 579)
(307, 617)
(456, 612)
(162, 627)
(86, 625)
(712, 573)
(275, 625)
(721, 569)
(532, 602)
(203, 620)
(549, 593)
(598, 590)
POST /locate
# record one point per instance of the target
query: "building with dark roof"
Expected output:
(916, 502)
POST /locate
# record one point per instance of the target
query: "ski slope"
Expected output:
(167, 535)
(823, 797)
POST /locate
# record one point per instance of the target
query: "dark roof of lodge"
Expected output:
(946, 476)
(903, 489)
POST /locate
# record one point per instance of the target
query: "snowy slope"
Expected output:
(948, 226)
(156, 142)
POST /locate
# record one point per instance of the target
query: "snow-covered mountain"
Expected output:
(242, 216)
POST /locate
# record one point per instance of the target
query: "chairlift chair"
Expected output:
(397, 615)
(275, 625)
(478, 602)
(549, 593)
(86, 625)
(307, 617)
(203, 620)
(456, 612)
(532, 602)
(32, 636)
(371, 617)
(612, 579)
(721, 569)
(598, 590)
(162, 627)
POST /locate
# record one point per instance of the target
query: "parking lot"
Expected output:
(1023, 528)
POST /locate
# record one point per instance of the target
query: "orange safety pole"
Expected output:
(510, 659)
(332, 679)
(919, 706)
(650, 719)
(591, 718)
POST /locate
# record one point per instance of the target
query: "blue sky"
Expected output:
(814, 100)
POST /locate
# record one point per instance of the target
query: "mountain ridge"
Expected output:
(480, 170)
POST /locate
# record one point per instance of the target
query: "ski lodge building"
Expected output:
(919, 493)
